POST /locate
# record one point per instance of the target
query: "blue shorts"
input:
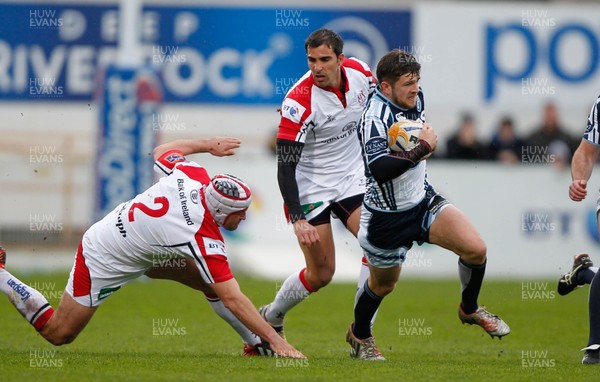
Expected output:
(386, 236)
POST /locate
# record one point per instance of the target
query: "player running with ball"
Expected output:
(401, 207)
(180, 217)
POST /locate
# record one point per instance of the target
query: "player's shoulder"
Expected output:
(297, 104)
(376, 103)
(193, 171)
(354, 63)
(301, 91)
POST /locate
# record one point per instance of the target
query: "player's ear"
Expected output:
(386, 88)
(341, 58)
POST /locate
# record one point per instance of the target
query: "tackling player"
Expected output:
(401, 207)
(319, 168)
(179, 216)
(581, 170)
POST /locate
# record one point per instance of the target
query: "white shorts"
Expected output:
(91, 281)
(315, 198)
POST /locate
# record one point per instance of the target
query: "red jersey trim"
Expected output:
(356, 65)
(167, 161)
(82, 283)
(301, 93)
(219, 268)
(196, 173)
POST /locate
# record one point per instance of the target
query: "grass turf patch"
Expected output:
(163, 331)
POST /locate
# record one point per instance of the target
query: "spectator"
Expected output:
(464, 143)
(551, 130)
(505, 145)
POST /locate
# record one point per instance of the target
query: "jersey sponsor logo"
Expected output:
(376, 145)
(411, 116)
(292, 110)
(183, 199)
(347, 131)
(214, 247)
(119, 224)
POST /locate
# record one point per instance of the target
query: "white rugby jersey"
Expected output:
(169, 218)
(326, 122)
(592, 132)
(407, 190)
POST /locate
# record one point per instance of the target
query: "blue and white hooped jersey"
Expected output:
(407, 190)
(592, 132)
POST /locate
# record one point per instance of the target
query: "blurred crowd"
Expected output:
(548, 142)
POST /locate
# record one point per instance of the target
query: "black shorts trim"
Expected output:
(342, 210)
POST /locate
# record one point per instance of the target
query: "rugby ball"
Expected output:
(404, 135)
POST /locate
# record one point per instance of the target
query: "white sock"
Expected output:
(363, 275)
(223, 312)
(29, 302)
(291, 293)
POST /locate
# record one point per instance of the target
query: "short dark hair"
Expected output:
(395, 64)
(327, 37)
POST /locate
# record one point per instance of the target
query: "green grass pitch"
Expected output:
(162, 331)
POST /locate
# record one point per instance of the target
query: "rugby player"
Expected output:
(319, 167)
(179, 216)
(401, 207)
(583, 271)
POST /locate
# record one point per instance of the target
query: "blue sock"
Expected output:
(594, 311)
(471, 278)
(364, 310)
(585, 276)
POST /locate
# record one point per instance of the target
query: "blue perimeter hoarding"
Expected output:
(204, 54)
(129, 101)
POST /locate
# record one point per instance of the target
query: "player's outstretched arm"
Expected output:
(218, 146)
(229, 292)
(581, 169)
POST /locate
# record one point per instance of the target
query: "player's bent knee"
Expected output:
(321, 281)
(383, 290)
(476, 254)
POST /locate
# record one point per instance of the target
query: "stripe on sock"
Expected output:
(305, 283)
(43, 315)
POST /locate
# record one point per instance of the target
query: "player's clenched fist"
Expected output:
(307, 234)
(429, 135)
(578, 190)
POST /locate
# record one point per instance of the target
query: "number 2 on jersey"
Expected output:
(155, 213)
